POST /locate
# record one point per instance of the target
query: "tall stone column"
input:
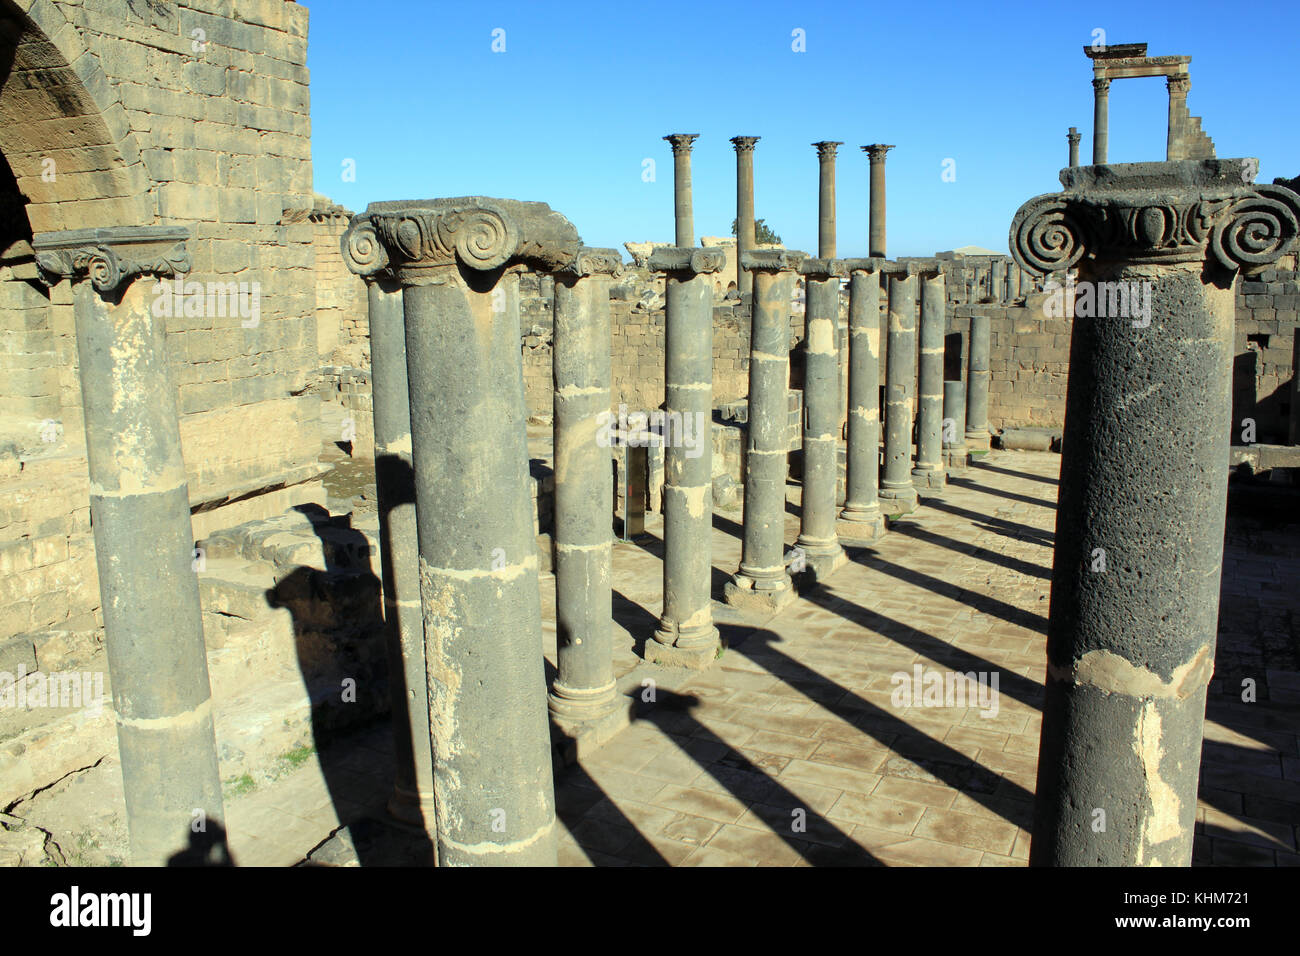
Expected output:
(762, 582)
(686, 636)
(928, 476)
(861, 519)
(1100, 120)
(998, 280)
(584, 699)
(399, 547)
(897, 494)
(977, 384)
(1178, 87)
(144, 540)
(954, 425)
(745, 240)
(683, 210)
(826, 198)
(817, 539)
(1139, 526)
(1073, 136)
(457, 261)
(876, 206)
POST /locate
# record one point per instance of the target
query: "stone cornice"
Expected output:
(1183, 211)
(685, 259)
(475, 232)
(109, 257)
(772, 260)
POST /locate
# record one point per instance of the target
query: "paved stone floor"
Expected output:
(791, 752)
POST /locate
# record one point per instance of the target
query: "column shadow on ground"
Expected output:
(912, 530)
(970, 485)
(1003, 526)
(985, 466)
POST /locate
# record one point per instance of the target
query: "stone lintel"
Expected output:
(685, 259)
(109, 256)
(1115, 51)
(823, 268)
(772, 260)
(476, 232)
(1144, 66)
(591, 261)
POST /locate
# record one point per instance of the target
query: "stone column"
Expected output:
(399, 548)
(928, 475)
(1178, 87)
(826, 198)
(762, 582)
(977, 384)
(821, 414)
(1074, 136)
(876, 224)
(861, 519)
(1139, 526)
(457, 261)
(1100, 120)
(954, 425)
(1013, 283)
(998, 280)
(144, 540)
(682, 208)
(584, 700)
(897, 494)
(686, 636)
(744, 209)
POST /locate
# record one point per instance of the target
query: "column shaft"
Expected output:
(897, 494)
(954, 424)
(928, 475)
(745, 240)
(1100, 120)
(977, 385)
(399, 555)
(478, 573)
(862, 505)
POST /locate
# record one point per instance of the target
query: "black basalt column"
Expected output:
(144, 539)
(928, 476)
(686, 636)
(399, 548)
(583, 696)
(745, 241)
(456, 260)
(1140, 517)
(977, 385)
(818, 543)
(897, 494)
(954, 425)
(762, 581)
(861, 519)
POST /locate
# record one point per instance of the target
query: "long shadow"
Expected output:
(912, 530)
(1012, 529)
(733, 528)
(980, 602)
(1013, 474)
(976, 486)
(940, 651)
(1002, 796)
(638, 621)
(610, 833)
(339, 632)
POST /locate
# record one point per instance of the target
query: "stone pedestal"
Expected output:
(977, 386)
(876, 203)
(861, 520)
(897, 494)
(584, 700)
(955, 455)
(1140, 519)
(144, 542)
(762, 583)
(686, 636)
(456, 260)
(744, 209)
(928, 476)
(818, 543)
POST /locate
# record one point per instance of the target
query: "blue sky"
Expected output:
(412, 92)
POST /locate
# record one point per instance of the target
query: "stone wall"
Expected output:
(1268, 307)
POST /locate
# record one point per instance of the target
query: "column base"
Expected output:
(693, 656)
(413, 810)
(932, 480)
(978, 443)
(575, 706)
(860, 526)
(821, 559)
(956, 460)
(578, 739)
(742, 593)
(898, 501)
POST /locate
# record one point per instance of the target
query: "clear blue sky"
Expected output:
(412, 91)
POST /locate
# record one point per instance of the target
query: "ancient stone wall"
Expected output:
(1268, 306)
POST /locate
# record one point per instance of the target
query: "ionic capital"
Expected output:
(684, 259)
(823, 268)
(109, 257)
(591, 262)
(772, 260)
